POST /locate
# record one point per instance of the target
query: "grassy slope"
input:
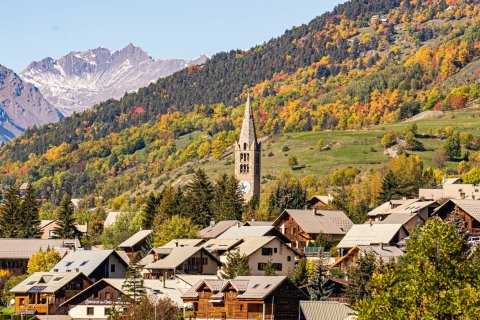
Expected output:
(359, 149)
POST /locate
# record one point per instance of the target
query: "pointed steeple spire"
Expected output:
(248, 135)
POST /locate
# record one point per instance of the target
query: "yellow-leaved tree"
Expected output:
(43, 261)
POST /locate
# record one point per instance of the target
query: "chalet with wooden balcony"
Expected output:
(302, 227)
(138, 242)
(469, 210)
(43, 292)
(248, 297)
(183, 260)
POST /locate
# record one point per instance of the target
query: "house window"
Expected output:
(89, 311)
(107, 311)
(289, 258)
(244, 146)
(274, 250)
(108, 295)
(267, 251)
(95, 294)
(112, 268)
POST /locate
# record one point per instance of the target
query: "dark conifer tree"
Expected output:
(199, 196)
(236, 265)
(9, 213)
(66, 222)
(320, 289)
(390, 188)
(133, 285)
(228, 202)
(30, 227)
(149, 210)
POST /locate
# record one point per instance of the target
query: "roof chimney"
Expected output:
(381, 245)
(212, 223)
(176, 243)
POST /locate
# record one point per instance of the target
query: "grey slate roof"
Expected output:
(367, 234)
(254, 223)
(251, 287)
(85, 261)
(385, 253)
(251, 244)
(182, 243)
(319, 221)
(112, 216)
(219, 228)
(135, 239)
(45, 282)
(213, 245)
(176, 257)
(400, 206)
(245, 231)
(325, 310)
(25, 248)
(472, 207)
(401, 218)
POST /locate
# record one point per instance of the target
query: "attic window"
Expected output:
(57, 278)
(83, 263)
(256, 286)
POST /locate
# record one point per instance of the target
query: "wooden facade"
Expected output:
(472, 224)
(228, 303)
(39, 301)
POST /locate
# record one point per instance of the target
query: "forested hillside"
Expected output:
(366, 63)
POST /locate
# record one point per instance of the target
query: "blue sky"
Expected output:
(33, 30)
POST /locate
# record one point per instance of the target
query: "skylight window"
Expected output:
(30, 283)
(83, 263)
(256, 286)
(57, 278)
(69, 263)
(267, 286)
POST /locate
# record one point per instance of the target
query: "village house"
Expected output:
(138, 242)
(218, 247)
(302, 227)
(183, 260)
(325, 310)
(469, 210)
(255, 223)
(260, 250)
(216, 229)
(48, 229)
(319, 202)
(252, 231)
(371, 234)
(380, 251)
(15, 253)
(452, 188)
(247, 297)
(411, 213)
(44, 292)
(95, 264)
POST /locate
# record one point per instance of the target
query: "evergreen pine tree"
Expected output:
(237, 265)
(133, 284)
(389, 188)
(228, 202)
(66, 222)
(149, 210)
(320, 289)
(10, 213)
(199, 193)
(30, 227)
(269, 269)
(300, 276)
(359, 277)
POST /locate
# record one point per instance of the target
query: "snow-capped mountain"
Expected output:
(79, 80)
(21, 106)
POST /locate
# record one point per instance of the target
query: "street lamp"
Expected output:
(156, 292)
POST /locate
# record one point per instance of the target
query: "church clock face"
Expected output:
(245, 186)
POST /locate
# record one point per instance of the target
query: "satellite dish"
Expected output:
(12, 301)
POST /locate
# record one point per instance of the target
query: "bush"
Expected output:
(285, 149)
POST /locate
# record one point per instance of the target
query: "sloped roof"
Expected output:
(401, 218)
(192, 279)
(112, 216)
(45, 282)
(383, 252)
(51, 317)
(80, 227)
(325, 310)
(25, 248)
(217, 229)
(245, 231)
(254, 223)
(324, 199)
(182, 243)
(85, 261)
(452, 181)
(472, 207)
(177, 257)
(251, 244)
(319, 221)
(367, 234)
(213, 245)
(135, 239)
(251, 287)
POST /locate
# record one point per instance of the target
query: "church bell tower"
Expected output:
(247, 156)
